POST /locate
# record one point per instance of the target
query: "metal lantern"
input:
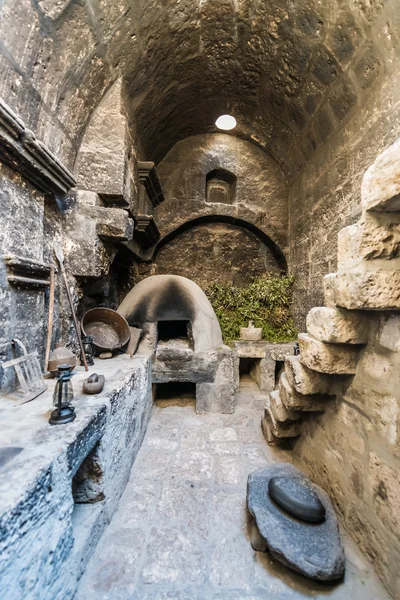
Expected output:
(88, 347)
(62, 397)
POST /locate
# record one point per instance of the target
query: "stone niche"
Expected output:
(220, 186)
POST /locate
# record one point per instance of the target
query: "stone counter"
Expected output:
(59, 493)
(264, 356)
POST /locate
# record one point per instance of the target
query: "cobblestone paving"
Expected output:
(180, 531)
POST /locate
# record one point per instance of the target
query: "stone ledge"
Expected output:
(361, 290)
(113, 224)
(29, 157)
(335, 326)
(279, 410)
(287, 429)
(36, 485)
(334, 359)
(305, 381)
(148, 177)
(146, 231)
(295, 401)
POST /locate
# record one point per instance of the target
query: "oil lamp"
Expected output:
(88, 347)
(62, 397)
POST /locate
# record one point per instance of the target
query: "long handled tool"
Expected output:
(51, 316)
(60, 257)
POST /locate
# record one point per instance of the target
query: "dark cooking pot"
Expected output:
(110, 331)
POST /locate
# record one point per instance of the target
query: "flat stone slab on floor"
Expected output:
(315, 550)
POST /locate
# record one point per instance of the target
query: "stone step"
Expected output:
(295, 401)
(380, 189)
(363, 290)
(337, 326)
(268, 435)
(334, 359)
(288, 429)
(305, 381)
(279, 410)
(372, 243)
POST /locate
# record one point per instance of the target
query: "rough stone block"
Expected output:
(279, 410)
(114, 224)
(267, 433)
(336, 326)
(246, 349)
(102, 160)
(295, 401)
(287, 429)
(380, 188)
(327, 358)
(374, 237)
(363, 290)
(305, 381)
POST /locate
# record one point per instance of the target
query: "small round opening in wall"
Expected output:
(226, 122)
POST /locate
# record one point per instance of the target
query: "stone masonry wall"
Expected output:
(341, 394)
(353, 450)
(28, 225)
(260, 191)
(325, 195)
(216, 253)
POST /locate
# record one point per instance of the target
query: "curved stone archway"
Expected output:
(260, 201)
(228, 219)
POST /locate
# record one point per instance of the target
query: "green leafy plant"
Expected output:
(266, 301)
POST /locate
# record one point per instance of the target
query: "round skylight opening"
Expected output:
(226, 122)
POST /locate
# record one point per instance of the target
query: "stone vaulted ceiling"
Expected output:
(289, 70)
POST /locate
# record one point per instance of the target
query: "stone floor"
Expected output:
(180, 532)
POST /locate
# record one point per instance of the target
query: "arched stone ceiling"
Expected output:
(289, 70)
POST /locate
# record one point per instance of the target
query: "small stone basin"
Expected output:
(8, 453)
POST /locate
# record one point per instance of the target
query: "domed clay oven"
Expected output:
(182, 334)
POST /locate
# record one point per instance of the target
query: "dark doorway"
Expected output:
(249, 367)
(174, 393)
(279, 368)
(169, 330)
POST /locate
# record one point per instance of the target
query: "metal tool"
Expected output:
(60, 257)
(51, 317)
(29, 375)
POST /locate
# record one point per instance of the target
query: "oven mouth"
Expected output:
(173, 330)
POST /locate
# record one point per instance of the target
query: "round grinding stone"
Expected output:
(297, 497)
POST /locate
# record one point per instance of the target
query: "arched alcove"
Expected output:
(274, 249)
(220, 186)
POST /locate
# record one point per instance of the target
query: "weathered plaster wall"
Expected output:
(325, 195)
(216, 252)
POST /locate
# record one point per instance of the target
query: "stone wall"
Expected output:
(352, 450)
(228, 243)
(216, 253)
(341, 394)
(28, 225)
(325, 195)
(260, 191)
